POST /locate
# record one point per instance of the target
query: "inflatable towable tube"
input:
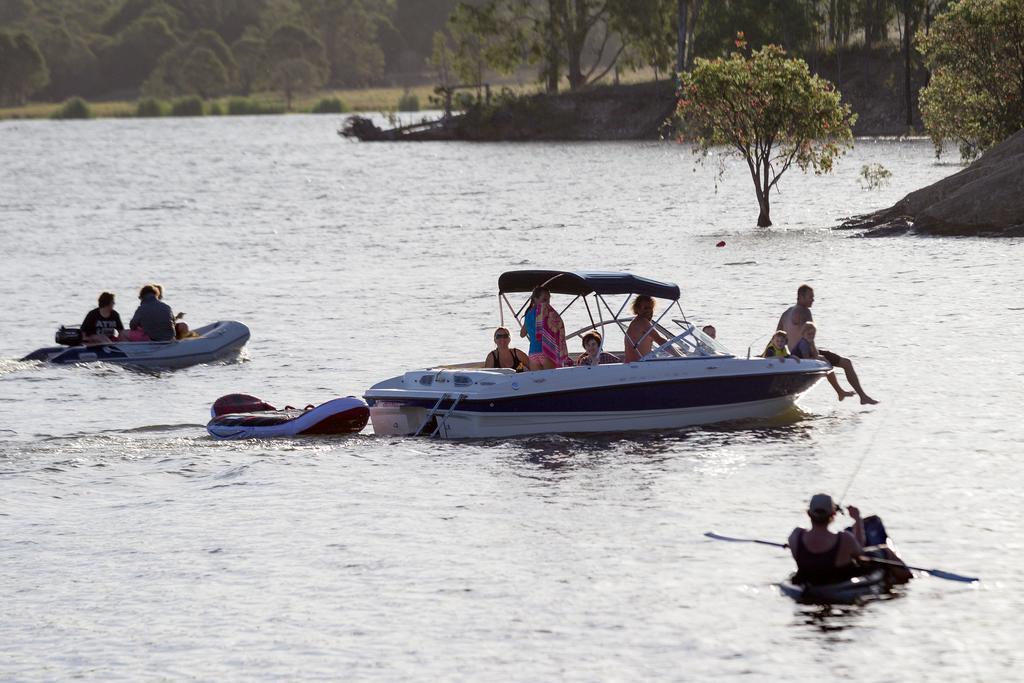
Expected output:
(241, 416)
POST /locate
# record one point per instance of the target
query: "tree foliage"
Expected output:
(129, 58)
(976, 93)
(114, 47)
(347, 30)
(203, 74)
(570, 38)
(249, 53)
(179, 70)
(292, 76)
(22, 67)
(768, 110)
(298, 62)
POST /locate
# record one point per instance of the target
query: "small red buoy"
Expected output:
(721, 244)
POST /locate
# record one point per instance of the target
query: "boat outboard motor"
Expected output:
(68, 336)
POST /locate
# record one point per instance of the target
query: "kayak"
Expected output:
(853, 591)
(241, 416)
(210, 343)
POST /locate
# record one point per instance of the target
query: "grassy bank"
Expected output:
(366, 99)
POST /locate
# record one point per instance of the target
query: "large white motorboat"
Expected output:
(690, 379)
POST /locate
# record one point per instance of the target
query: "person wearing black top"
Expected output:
(824, 557)
(102, 325)
(503, 356)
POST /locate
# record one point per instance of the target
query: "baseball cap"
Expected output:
(821, 507)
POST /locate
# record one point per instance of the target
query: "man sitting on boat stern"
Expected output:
(792, 322)
(823, 557)
(641, 335)
(153, 319)
(102, 324)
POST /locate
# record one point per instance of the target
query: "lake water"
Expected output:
(134, 547)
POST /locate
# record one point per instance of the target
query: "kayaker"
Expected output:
(153, 319)
(821, 555)
(102, 324)
(824, 557)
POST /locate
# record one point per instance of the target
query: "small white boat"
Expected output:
(691, 379)
(214, 342)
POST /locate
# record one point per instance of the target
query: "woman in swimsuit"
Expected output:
(503, 356)
(546, 332)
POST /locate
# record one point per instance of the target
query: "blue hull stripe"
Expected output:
(667, 395)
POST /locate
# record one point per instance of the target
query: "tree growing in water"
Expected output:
(768, 110)
(976, 93)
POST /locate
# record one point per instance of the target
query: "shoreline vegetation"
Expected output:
(323, 102)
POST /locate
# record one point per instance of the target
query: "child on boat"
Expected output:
(777, 347)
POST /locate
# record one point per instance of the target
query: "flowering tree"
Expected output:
(768, 110)
(976, 92)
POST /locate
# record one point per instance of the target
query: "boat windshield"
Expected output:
(688, 343)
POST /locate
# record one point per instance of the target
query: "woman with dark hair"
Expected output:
(504, 357)
(592, 353)
(546, 332)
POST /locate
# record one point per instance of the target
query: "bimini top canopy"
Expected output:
(583, 283)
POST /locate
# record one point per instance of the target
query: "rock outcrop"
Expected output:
(984, 199)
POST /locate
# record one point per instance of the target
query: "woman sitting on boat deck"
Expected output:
(592, 353)
(823, 557)
(504, 357)
(546, 332)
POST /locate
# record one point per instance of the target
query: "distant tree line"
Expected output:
(579, 41)
(53, 49)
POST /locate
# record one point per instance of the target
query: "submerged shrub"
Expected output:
(150, 107)
(74, 108)
(187, 106)
(330, 105)
(242, 106)
(874, 176)
(408, 102)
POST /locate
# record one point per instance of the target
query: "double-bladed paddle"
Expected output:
(937, 573)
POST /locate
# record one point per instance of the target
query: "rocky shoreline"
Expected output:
(986, 199)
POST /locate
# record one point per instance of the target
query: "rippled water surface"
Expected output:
(133, 546)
